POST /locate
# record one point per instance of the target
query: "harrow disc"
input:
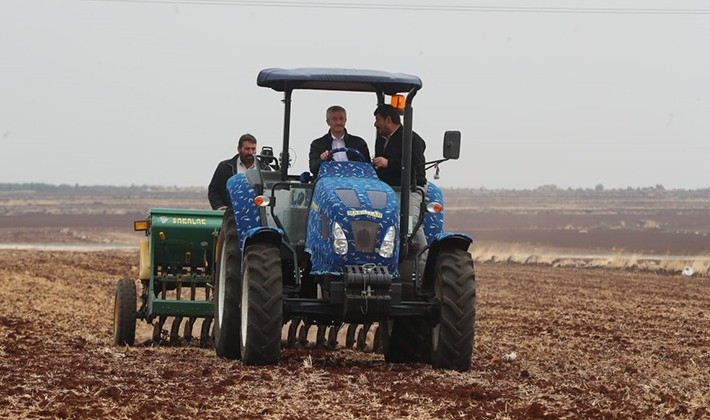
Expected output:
(166, 331)
(302, 335)
(292, 336)
(175, 331)
(320, 336)
(206, 334)
(187, 331)
(362, 337)
(158, 332)
(333, 337)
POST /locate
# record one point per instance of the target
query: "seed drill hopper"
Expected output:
(175, 277)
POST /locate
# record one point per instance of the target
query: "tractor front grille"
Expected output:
(365, 233)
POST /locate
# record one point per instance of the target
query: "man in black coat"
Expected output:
(388, 164)
(239, 163)
(337, 137)
(388, 148)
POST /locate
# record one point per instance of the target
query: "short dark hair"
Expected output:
(246, 137)
(385, 111)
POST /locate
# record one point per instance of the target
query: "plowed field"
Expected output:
(550, 343)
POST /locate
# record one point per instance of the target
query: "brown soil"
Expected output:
(589, 343)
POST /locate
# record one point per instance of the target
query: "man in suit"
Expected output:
(336, 137)
(388, 149)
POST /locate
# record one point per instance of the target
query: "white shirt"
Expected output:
(339, 143)
(240, 166)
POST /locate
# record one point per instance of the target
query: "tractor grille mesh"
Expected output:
(365, 233)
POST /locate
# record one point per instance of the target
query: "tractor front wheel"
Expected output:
(454, 286)
(227, 288)
(124, 313)
(262, 305)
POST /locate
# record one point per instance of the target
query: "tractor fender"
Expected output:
(262, 234)
(440, 242)
(433, 223)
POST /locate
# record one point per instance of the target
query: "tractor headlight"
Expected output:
(340, 243)
(262, 200)
(387, 248)
(434, 207)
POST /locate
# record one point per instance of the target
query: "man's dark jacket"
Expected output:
(392, 174)
(217, 191)
(324, 143)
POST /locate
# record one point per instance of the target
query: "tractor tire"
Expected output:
(455, 287)
(262, 305)
(406, 340)
(125, 313)
(227, 290)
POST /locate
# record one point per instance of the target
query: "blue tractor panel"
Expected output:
(349, 218)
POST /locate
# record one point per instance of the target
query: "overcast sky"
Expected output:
(571, 93)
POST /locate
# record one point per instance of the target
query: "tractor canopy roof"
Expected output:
(282, 80)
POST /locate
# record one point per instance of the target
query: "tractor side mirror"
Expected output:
(452, 144)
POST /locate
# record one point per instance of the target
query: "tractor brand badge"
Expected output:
(163, 219)
(188, 221)
(371, 213)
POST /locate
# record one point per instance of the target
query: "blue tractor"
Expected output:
(344, 247)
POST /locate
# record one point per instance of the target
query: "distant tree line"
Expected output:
(657, 191)
(94, 189)
(66, 189)
(38, 186)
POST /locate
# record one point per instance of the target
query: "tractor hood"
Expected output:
(352, 205)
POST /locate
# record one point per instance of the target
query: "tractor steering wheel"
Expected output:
(357, 153)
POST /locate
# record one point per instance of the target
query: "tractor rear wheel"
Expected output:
(262, 305)
(227, 293)
(454, 286)
(124, 313)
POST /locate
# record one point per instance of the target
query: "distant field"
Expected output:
(647, 228)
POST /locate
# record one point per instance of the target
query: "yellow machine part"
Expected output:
(144, 270)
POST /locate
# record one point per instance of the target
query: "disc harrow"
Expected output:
(302, 333)
(170, 336)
